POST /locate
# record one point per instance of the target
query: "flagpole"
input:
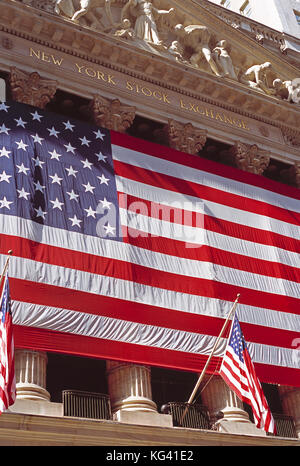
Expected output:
(4, 270)
(232, 310)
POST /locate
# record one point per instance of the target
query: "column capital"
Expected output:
(185, 137)
(31, 88)
(250, 158)
(112, 114)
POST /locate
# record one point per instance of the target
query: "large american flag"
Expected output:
(7, 358)
(124, 249)
(238, 372)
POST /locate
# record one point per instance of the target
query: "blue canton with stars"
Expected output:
(236, 340)
(57, 171)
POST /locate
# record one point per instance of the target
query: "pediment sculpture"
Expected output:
(156, 24)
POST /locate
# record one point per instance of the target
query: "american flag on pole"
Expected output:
(7, 360)
(129, 250)
(238, 372)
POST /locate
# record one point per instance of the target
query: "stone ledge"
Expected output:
(28, 430)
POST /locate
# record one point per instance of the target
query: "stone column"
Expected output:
(218, 398)
(31, 88)
(185, 137)
(32, 396)
(111, 114)
(30, 370)
(290, 399)
(129, 387)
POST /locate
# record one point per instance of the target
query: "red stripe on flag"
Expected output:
(49, 295)
(59, 342)
(199, 163)
(208, 193)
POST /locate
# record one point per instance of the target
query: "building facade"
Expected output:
(282, 16)
(88, 61)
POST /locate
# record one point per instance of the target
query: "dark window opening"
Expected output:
(67, 372)
(171, 385)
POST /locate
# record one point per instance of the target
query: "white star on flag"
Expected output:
(22, 169)
(54, 155)
(101, 157)
(55, 178)
(5, 203)
(99, 135)
(88, 188)
(70, 148)
(4, 152)
(36, 116)
(4, 177)
(23, 193)
(4, 107)
(109, 229)
(38, 162)
(103, 179)
(20, 122)
(86, 164)
(57, 204)
(73, 195)
(53, 132)
(85, 141)
(3, 129)
(75, 221)
(68, 125)
(38, 186)
(21, 145)
(37, 138)
(71, 171)
(91, 212)
(40, 212)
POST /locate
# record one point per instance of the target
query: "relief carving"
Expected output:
(223, 60)
(249, 158)
(167, 31)
(185, 137)
(144, 17)
(256, 77)
(111, 114)
(197, 38)
(30, 88)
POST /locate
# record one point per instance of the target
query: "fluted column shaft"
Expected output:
(217, 396)
(129, 386)
(30, 370)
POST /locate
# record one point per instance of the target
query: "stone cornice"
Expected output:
(96, 47)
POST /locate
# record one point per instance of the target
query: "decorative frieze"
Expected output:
(186, 137)
(112, 114)
(31, 88)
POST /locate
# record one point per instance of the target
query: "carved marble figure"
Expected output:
(87, 9)
(223, 59)
(177, 50)
(145, 16)
(256, 77)
(287, 90)
(197, 37)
